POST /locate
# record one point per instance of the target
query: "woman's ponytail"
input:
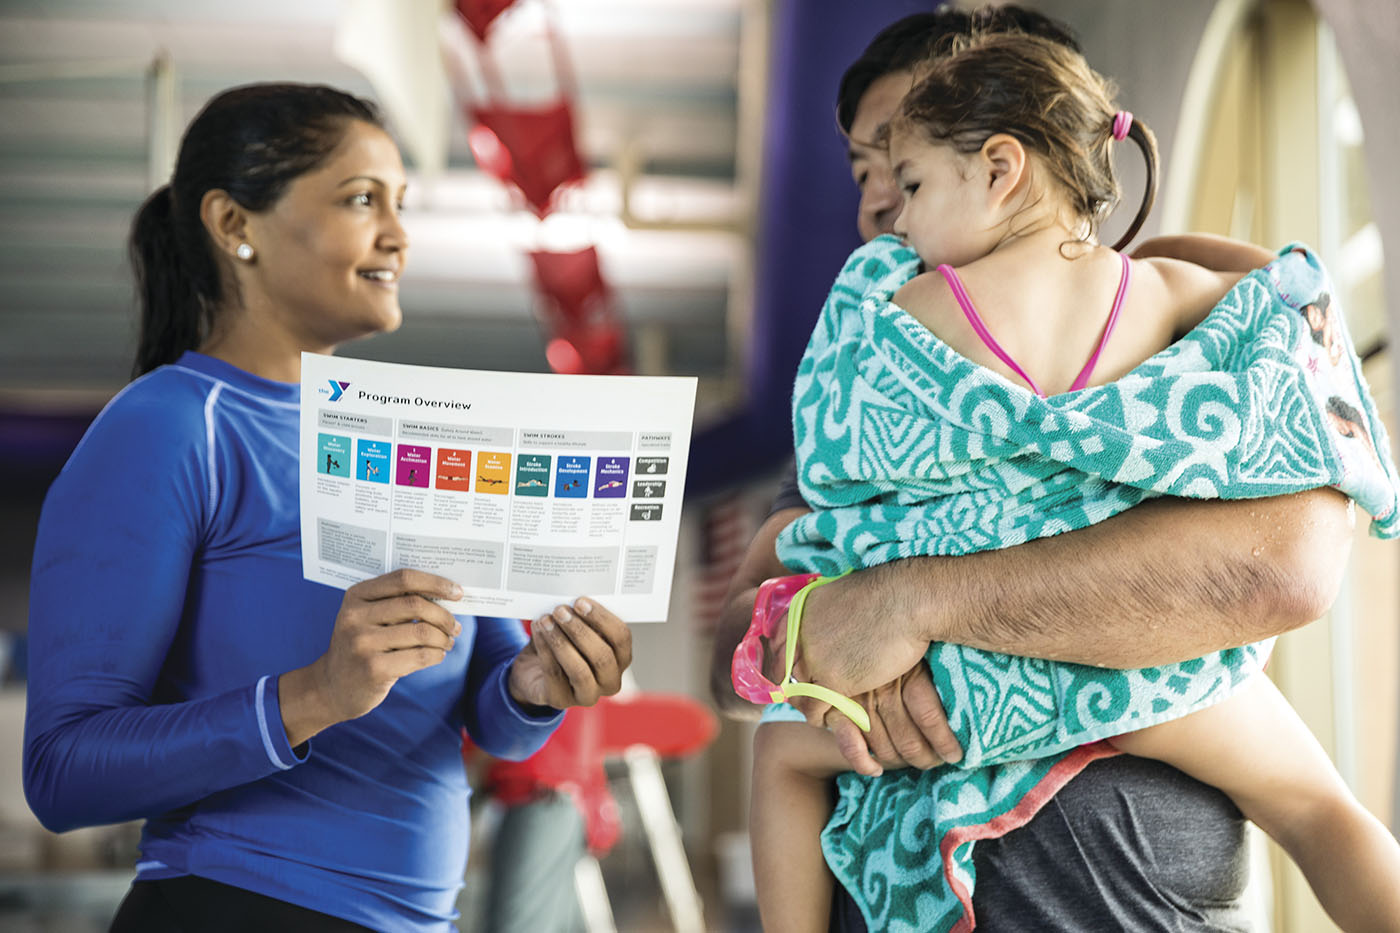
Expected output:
(249, 142)
(173, 313)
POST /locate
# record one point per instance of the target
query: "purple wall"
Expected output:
(807, 225)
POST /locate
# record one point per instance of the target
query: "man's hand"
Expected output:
(857, 633)
(908, 728)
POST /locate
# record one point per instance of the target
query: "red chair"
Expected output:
(671, 725)
(641, 728)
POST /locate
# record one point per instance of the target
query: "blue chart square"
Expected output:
(372, 461)
(571, 478)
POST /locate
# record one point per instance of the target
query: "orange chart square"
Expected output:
(454, 469)
(493, 472)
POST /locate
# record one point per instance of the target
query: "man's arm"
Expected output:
(1218, 253)
(1163, 582)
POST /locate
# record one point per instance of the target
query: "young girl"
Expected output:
(1002, 152)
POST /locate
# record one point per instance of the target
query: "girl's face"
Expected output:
(944, 218)
(331, 250)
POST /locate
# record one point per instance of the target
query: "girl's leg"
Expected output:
(1255, 748)
(793, 764)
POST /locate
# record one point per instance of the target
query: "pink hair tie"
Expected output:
(1122, 122)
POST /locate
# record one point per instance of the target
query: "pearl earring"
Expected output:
(244, 252)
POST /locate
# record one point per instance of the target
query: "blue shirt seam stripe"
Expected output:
(209, 439)
(262, 725)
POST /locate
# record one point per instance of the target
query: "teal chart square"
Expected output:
(532, 475)
(333, 455)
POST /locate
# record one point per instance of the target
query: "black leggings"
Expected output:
(189, 904)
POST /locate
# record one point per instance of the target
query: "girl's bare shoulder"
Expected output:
(926, 297)
(1188, 290)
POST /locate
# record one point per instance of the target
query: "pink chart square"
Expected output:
(414, 466)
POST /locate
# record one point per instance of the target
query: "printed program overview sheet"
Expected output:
(527, 489)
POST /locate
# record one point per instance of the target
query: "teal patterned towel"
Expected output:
(905, 447)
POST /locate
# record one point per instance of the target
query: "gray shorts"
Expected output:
(1129, 844)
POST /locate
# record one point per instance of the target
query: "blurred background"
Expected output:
(699, 162)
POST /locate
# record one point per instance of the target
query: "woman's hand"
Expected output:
(387, 628)
(575, 655)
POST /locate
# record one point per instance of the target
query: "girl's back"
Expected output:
(1048, 313)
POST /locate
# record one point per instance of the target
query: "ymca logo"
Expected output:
(338, 389)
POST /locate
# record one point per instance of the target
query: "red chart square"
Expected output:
(454, 469)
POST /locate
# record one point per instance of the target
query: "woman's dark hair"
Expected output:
(1045, 95)
(250, 142)
(908, 42)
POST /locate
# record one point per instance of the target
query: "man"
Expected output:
(1130, 843)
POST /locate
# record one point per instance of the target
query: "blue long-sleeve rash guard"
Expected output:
(166, 597)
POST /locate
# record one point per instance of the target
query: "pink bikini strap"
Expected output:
(1082, 379)
(975, 320)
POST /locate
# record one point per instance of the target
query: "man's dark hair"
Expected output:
(908, 41)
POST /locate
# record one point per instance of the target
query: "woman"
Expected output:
(293, 750)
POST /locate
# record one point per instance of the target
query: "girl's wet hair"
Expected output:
(250, 142)
(1043, 94)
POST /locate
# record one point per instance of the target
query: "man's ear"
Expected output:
(1004, 164)
(225, 220)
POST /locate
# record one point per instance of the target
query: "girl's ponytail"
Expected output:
(173, 313)
(1139, 133)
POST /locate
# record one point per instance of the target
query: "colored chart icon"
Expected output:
(649, 489)
(333, 455)
(413, 465)
(571, 478)
(532, 475)
(372, 461)
(493, 472)
(610, 482)
(454, 469)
